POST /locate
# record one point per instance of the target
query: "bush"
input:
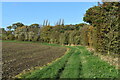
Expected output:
(21, 37)
(36, 38)
(10, 37)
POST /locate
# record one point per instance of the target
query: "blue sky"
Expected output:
(36, 12)
(51, 0)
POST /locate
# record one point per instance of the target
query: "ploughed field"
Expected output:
(17, 57)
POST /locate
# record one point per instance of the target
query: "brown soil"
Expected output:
(17, 57)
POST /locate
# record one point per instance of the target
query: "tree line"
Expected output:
(102, 32)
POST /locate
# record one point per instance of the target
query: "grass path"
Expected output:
(77, 63)
(73, 66)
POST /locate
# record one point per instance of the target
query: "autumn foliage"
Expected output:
(102, 32)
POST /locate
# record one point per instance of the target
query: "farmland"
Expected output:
(77, 63)
(17, 57)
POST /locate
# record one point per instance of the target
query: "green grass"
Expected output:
(77, 63)
(73, 66)
(94, 67)
(53, 70)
